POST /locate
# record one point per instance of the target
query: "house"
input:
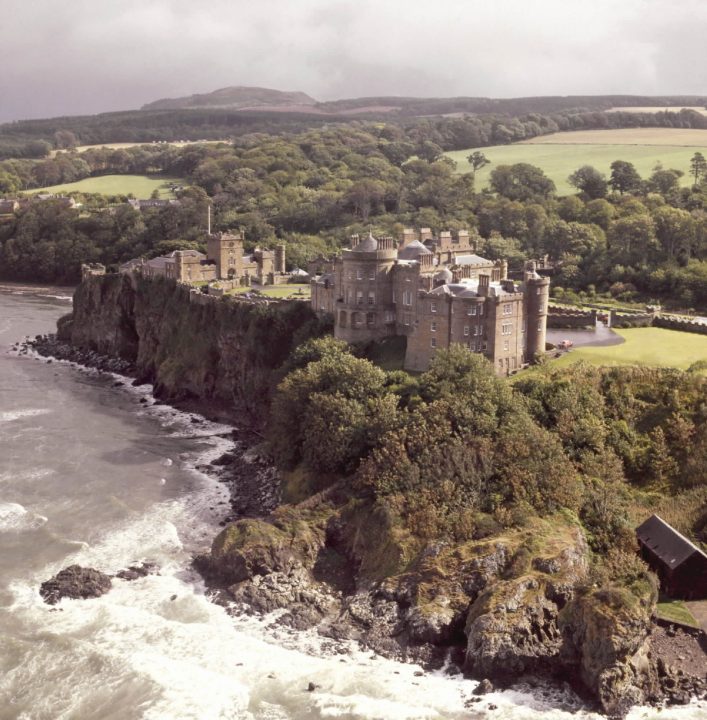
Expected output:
(9, 207)
(435, 291)
(679, 563)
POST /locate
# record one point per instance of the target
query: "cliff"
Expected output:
(191, 347)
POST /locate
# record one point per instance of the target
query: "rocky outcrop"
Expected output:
(606, 633)
(75, 582)
(225, 351)
(512, 627)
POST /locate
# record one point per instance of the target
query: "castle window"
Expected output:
(389, 316)
(372, 274)
(476, 329)
(433, 326)
(471, 310)
(359, 297)
(541, 308)
(370, 319)
(406, 319)
(407, 297)
(539, 291)
(481, 309)
(508, 309)
(506, 329)
(359, 274)
(433, 342)
(371, 298)
(466, 330)
(505, 345)
(484, 345)
(540, 326)
(231, 261)
(433, 307)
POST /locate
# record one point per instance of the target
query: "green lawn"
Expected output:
(140, 186)
(276, 291)
(676, 611)
(644, 346)
(560, 160)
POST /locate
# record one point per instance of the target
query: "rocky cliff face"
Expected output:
(188, 345)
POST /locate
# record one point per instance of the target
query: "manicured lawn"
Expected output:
(140, 186)
(276, 291)
(676, 611)
(644, 346)
(560, 154)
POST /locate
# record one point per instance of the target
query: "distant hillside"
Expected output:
(235, 98)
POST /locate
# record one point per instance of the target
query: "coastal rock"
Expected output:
(75, 582)
(133, 572)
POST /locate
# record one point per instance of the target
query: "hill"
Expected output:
(238, 97)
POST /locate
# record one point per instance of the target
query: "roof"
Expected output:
(413, 250)
(370, 244)
(471, 260)
(666, 542)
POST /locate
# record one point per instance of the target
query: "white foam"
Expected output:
(16, 518)
(10, 415)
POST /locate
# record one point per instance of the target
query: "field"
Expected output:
(276, 291)
(124, 145)
(140, 186)
(644, 346)
(657, 108)
(560, 154)
(675, 611)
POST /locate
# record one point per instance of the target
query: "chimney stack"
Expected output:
(406, 237)
(483, 284)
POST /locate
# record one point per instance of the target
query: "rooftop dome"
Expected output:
(444, 275)
(370, 244)
(413, 250)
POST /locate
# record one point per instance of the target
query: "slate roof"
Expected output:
(666, 542)
(413, 250)
(369, 244)
(471, 260)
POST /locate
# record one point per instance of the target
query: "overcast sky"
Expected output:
(87, 56)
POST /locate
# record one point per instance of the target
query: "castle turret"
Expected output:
(226, 250)
(280, 259)
(536, 298)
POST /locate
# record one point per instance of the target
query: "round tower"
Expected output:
(536, 298)
(366, 297)
(280, 258)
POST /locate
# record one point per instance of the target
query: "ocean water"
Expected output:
(89, 475)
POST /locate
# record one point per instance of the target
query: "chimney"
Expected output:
(483, 284)
(386, 243)
(456, 274)
(425, 234)
(463, 238)
(355, 240)
(426, 260)
(496, 273)
(445, 239)
(406, 237)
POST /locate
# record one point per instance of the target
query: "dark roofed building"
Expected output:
(680, 564)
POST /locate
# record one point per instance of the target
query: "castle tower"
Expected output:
(280, 258)
(536, 297)
(226, 250)
(365, 309)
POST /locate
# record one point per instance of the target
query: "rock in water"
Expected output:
(75, 582)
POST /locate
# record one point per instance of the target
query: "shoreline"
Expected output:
(236, 466)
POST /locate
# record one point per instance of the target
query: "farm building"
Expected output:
(680, 565)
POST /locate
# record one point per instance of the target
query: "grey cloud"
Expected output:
(85, 57)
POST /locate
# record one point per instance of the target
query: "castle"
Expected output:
(436, 291)
(224, 260)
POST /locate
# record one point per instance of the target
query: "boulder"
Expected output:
(75, 582)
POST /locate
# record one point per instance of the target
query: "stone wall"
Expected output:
(559, 317)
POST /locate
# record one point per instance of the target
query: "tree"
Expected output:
(664, 181)
(521, 181)
(698, 168)
(477, 160)
(590, 181)
(624, 177)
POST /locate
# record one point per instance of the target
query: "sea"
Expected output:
(91, 475)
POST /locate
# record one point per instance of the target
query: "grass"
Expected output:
(124, 145)
(560, 154)
(657, 108)
(644, 346)
(275, 291)
(675, 611)
(140, 186)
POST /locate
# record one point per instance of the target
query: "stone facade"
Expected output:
(224, 260)
(435, 291)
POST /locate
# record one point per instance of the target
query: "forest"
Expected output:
(631, 236)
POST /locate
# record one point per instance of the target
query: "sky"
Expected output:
(88, 56)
